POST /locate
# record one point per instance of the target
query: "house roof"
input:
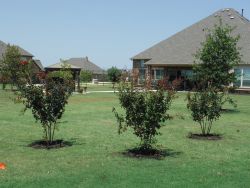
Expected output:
(3, 47)
(181, 47)
(84, 64)
(60, 65)
(39, 64)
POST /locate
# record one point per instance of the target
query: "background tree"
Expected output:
(145, 112)
(86, 76)
(217, 58)
(11, 65)
(114, 75)
(15, 70)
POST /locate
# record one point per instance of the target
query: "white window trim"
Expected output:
(241, 76)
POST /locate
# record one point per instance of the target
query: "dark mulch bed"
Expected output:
(205, 137)
(42, 144)
(150, 153)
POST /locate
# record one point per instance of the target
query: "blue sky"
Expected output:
(109, 32)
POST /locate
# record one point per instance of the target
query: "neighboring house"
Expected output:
(174, 57)
(25, 56)
(83, 64)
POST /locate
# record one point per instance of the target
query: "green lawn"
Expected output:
(98, 87)
(96, 160)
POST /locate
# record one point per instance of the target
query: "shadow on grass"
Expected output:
(56, 144)
(230, 111)
(61, 122)
(152, 153)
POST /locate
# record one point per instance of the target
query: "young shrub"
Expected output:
(47, 104)
(145, 112)
(205, 108)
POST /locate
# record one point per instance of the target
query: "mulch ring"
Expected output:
(205, 137)
(151, 153)
(56, 144)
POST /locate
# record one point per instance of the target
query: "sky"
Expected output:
(109, 32)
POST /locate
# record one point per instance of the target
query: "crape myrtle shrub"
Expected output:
(47, 103)
(213, 73)
(145, 112)
(205, 107)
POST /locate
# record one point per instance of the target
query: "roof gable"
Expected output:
(181, 47)
(3, 48)
(39, 64)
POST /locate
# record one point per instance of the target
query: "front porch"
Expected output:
(185, 73)
(171, 73)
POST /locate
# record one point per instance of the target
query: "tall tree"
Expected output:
(14, 69)
(10, 64)
(217, 58)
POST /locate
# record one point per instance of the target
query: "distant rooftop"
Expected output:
(60, 65)
(82, 63)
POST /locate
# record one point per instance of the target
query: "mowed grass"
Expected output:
(98, 87)
(95, 159)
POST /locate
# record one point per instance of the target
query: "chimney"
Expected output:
(87, 58)
(242, 12)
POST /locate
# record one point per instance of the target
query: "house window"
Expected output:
(159, 74)
(142, 64)
(246, 77)
(187, 74)
(142, 74)
(242, 77)
(238, 73)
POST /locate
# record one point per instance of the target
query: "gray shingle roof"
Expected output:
(180, 48)
(3, 48)
(39, 64)
(84, 64)
(60, 65)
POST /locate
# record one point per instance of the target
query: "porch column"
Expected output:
(148, 73)
(165, 72)
(148, 78)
